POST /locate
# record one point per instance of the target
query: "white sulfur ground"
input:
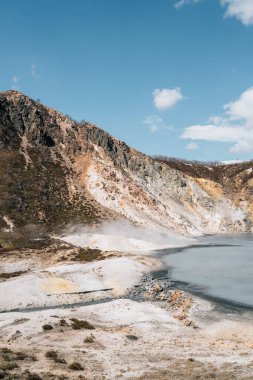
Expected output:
(45, 287)
(118, 273)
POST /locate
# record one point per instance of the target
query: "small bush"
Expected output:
(21, 356)
(33, 376)
(10, 356)
(9, 366)
(131, 337)
(52, 354)
(63, 322)
(75, 366)
(60, 360)
(47, 327)
(6, 350)
(7, 357)
(77, 324)
(89, 339)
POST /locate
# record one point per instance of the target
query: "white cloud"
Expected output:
(242, 109)
(192, 146)
(235, 126)
(167, 97)
(212, 132)
(154, 123)
(34, 72)
(241, 9)
(181, 3)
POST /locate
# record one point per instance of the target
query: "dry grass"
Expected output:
(87, 255)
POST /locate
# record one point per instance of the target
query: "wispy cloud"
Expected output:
(240, 9)
(14, 82)
(192, 146)
(181, 3)
(155, 123)
(167, 97)
(34, 72)
(235, 126)
(14, 79)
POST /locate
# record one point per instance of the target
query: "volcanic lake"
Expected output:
(218, 267)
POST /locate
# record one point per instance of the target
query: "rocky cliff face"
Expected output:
(55, 171)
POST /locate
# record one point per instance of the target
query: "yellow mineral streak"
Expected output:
(210, 187)
(56, 285)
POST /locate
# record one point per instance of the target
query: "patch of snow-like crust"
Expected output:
(51, 286)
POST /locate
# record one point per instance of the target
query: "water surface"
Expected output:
(219, 266)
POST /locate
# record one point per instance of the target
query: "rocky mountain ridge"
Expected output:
(55, 171)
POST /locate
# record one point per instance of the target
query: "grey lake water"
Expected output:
(219, 267)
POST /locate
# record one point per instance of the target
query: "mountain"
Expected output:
(55, 172)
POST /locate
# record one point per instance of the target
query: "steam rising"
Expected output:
(121, 236)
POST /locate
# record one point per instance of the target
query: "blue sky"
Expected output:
(153, 73)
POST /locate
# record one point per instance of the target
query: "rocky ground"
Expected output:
(142, 328)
